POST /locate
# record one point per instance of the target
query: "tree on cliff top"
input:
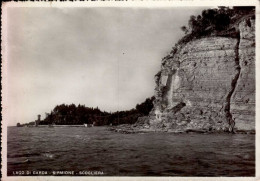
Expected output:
(217, 19)
(212, 21)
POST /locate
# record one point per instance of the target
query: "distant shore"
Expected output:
(134, 129)
(52, 126)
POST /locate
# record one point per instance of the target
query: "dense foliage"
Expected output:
(76, 115)
(218, 21)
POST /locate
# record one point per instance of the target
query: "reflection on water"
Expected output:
(149, 154)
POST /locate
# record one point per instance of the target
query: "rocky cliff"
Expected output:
(207, 85)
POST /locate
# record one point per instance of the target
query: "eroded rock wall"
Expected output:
(209, 84)
(243, 100)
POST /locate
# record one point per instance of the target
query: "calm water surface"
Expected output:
(115, 154)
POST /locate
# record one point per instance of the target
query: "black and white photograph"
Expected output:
(128, 91)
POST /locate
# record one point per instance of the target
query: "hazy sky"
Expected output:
(105, 57)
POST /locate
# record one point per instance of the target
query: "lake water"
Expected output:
(97, 151)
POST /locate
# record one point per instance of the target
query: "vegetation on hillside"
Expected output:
(217, 19)
(77, 115)
(213, 22)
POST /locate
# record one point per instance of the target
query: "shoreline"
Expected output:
(129, 129)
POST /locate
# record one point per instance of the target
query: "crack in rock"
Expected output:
(228, 114)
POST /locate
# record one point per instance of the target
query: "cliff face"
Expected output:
(208, 84)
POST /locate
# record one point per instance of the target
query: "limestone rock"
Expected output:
(209, 84)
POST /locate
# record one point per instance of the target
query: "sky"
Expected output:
(98, 57)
